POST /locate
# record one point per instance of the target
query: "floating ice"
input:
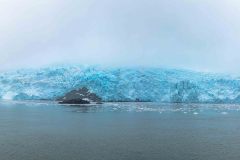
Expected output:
(224, 113)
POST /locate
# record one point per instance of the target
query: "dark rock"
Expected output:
(80, 96)
(140, 100)
(74, 101)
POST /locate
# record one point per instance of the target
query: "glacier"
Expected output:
(120, 84)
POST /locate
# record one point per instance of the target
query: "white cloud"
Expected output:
(198, 35)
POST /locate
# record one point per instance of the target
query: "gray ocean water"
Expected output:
(119, 131)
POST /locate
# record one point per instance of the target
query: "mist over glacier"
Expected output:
(120, 84)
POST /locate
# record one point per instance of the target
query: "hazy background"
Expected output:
(199, 35)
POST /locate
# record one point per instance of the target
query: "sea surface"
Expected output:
(39, 130)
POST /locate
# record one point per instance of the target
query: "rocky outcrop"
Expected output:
(80, 96)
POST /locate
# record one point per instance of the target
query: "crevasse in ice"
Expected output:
(120, 84)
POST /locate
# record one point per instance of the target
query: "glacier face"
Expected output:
(120, 84)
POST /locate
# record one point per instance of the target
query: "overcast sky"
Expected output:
(201, 35)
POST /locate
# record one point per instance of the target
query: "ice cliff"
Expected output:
(120, 84)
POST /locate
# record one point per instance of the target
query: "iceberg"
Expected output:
(120, 84)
